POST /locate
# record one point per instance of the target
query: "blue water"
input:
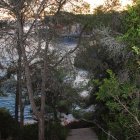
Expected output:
(8, 103)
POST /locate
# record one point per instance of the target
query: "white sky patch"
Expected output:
(96, 3)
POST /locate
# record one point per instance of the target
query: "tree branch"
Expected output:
(73, 50)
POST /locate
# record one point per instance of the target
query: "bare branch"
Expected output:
(73, 50)
(126, 109)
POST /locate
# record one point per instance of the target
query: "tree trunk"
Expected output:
(39, 115)
(28, 79)
(19, 81)
(43, 97)
(17, 103)
(21, 114)
(41, 128)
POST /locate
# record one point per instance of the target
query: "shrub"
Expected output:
(53, 131)
(29, 132)
(8, 126)
(56, 131)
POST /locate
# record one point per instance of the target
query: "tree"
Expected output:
(122, 99)
(23, 11)
(20, 11)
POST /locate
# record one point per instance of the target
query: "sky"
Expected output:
(95, 3)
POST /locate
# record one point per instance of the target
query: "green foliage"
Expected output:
(109, 87)
(100, 18)
(117, 102)
(77, 114)
(88, 115)
(123, 104)
(64, 106)
(56, 132)
(136, 50)
(132, 25)
(112, 88)
(8, 126)
(101, 135)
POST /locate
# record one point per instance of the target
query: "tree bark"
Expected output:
(39, 115)
(21, 113)
(17, 103)
(41, 128)
(19, 73)
(43, 97)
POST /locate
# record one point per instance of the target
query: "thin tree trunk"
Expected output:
(21, 113)
(43, 97)
(38, 115)
(19, 80)
(20, 89)
(17, 103)
(41, 127)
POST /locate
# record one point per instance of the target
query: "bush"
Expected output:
(8, 126)
(64, 106)
(53, 131)
(56, 131)
(29, 132)
(77, 114)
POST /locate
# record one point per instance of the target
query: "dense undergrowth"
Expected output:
(114, 72)
(10, 129)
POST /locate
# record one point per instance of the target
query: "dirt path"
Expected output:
(82, 134)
